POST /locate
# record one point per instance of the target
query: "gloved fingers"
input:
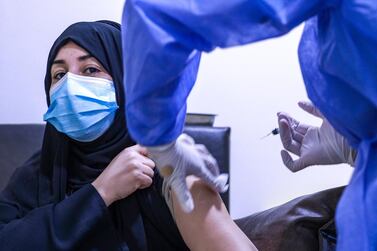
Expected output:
(302, 128)
(284, 115)
(202, 148)
(218, 183)
(286, 137)
(310, 108)
(186, 139)
(211, 163)
(297, 130)
(298, 137)
(208, 159)
(293, 165)
(296, 125)
(184, 197)
(222, 181)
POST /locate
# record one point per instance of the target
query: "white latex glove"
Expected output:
(314, 145)
(182, 158)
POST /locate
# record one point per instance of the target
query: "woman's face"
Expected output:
(74, 59)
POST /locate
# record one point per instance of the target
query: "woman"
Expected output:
(90, 187)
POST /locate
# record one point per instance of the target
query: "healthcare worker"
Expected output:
(338, 58)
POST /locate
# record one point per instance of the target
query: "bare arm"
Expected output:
(209, 226)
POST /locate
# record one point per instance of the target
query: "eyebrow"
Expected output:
(85, 57)
(81, 58)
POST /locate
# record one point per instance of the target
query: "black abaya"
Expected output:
(50, 204)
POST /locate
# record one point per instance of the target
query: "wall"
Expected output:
(245, 86)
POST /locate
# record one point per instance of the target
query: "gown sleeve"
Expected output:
(79, 222)
(162, 41)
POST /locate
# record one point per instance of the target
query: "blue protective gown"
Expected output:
(162, 41)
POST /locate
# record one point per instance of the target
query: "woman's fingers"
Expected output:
(138, 148)
(145, 182)
(140, 154)
(148, 162)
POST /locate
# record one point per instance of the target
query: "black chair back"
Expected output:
(19, 141)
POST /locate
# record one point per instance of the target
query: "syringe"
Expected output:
(275, 131)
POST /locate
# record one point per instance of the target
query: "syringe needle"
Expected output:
(266, 135)
(275, 131)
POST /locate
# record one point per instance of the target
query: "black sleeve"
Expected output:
(79, 222)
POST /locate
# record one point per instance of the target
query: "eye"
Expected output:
(58, 75)
(91, 70)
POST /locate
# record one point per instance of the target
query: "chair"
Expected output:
(302, 224)
(19, 141)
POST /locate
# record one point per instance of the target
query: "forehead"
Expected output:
(70, 50)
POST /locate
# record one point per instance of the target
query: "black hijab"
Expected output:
(142, 219)
(102, 41)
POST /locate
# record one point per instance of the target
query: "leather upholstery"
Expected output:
(295, 225)
(17, 143)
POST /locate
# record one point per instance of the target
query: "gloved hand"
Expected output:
(182, 158)
(315, 145)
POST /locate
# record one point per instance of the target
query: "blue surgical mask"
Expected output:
(82, 107)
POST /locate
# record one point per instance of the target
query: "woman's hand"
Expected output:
(128, 171)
